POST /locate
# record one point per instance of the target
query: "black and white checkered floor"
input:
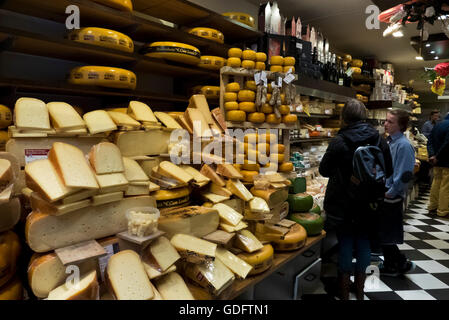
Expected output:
(426, 243)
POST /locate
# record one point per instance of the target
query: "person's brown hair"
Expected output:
(402, 116)
(353, 111)
(434, 112)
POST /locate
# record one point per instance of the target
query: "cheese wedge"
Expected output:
(271, 229)
(207, 171)
(160, 254)
(127, 277)
(228, 170)
(106, 198)
(99, 121)
(86, 289)
(123, 120)
(198, 123)
(193, 249)
(247, 241)
(238, 189)
(40, 175)
(40, 205)
(171, 170)
(234, 263)
(138, 190)
(185, 124)
(154, 273)
(227, 214)
(31, 114)
(215, 188)
(214, 198)
(141, 112)
(64, 117)
(105, 157)
(5, 171)
(153, 187)
(199, 101)
(106, 181)
(134, 172)
(167, 120)
(173, 287)
(72, 166)
(259, 205)
(197, 176)
(213, 276)
(80, 195)
(228, 228)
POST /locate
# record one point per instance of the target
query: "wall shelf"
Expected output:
(323, 89)
(309, 140)
(387, 104)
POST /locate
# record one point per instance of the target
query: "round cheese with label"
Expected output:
(212, 62)
(172, 198)
(208, 33)
(103, 38)
(312, 222)
(103, 76)
(261, 260)
(241, 17)
(234, 62)
(295, 239)
(174, 51)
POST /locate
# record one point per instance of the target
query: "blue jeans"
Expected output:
(347, 242)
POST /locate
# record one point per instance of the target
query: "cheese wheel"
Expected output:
(234, 62)
(357, 63)
(248, 64)
(300, 202)
(208, 33)
(268, 138)
(276, 61)
(261, 57)
(260, 66)
(315, 209)
(251, 138)
(356, 70)
(231, 105)
(256, 117)
(246, 96)
(347, 58)
(236, 115)
(280, 148)
(212, 62)
(250, 166)
(290, 69)
(171, 198)
(289, 119)
(269, 96)
(247, 146)
(249, 55)
(247, 107)
(13, 290)
(210, 92)
(103, 38)
(241, 17)
(124, 5)
(103, 76)
(250, 85)
(284, 109)
(293, 240)
(9, 254)
(174, 51)
(277, 157)
(271, 118)
(312, 222)
(261, 260)
(289, 61)
(286, 167)
(266, 108)
(283, 101)
(248, 176)
(4, 137)
(235, 53)
(230, 96)
(277, 69)
(232, 87)
(269, 89)
(5, 116)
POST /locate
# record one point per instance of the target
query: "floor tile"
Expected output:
(424, 236)
(438, 244)
(374, 284)
(442, 220)
(414, 222)
(405, 246)
(409, 236)
(432, 222)
(429, 228)
(444, 263)
(427, 281)
(418, 244)
(439, 294)
(432, 266)
(421, 205)
(440, 235)
(415, 255)
(420, 211)
(418, 216)
(435, 254)
(443, 227)
(383, 296)
(444, 277)
(415, 295)
(412, 229)
(417, 269)
(400, 283)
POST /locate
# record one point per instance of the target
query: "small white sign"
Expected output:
(35, 154)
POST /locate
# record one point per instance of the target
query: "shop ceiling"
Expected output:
(343, 23)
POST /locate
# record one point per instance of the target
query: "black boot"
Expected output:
(359, 281)
(344, 283)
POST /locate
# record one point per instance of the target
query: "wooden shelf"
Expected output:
(251, 125)
(36, 44)
(387, 104)
(228, 71)
(362, 79)
(323, 116)
(320, 139)
(280, 259)
(323, 89)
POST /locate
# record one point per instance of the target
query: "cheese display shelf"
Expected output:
(246, 124)
(310, 140)
(312, 115)
(388, 104)
(280, 259)
(323, 89)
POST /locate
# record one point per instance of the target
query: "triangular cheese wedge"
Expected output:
(212, 175)
(64, 117)
(31, 114)
(167, 120)
(141, 112)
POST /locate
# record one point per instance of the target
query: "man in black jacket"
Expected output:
(345, 212)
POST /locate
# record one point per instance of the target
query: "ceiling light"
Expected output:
(428, 45)
(436, 58)
(419, 58)
(398, 34)
(432, 52)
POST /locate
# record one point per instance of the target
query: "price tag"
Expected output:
(273, 84)
(264, 78)
(279, 82)
(257, 78)
(349, 72)
(299, 46)
(35, 154)
(289, 78)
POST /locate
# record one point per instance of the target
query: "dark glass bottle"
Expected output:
(334, 69)
(341, 72)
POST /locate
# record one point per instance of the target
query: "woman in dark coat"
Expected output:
(348, 216)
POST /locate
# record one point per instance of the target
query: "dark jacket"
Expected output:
(438, 144)
(341, 207)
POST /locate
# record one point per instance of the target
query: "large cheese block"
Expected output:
(196, 221)
(110, 181)
(13, 290)
(198, 101)
(107, 198)
(10, 213)
(142, 143)
(160, 254)
(234, 263)
(293, 240)
(99, 121)
(127, 277)
(247, 241)
(214, 276)
(238, 189)
(260, 260)
(273, 197)
(31, 114)
(64, 117)
(173, 287)
(141, 112)
(227, 214)
(172, 198)
(86, 289)
(300, 202)
(133, 171)
(72, 166)
(105, 157)
(312, 222)
(44, 232)
(193, 249)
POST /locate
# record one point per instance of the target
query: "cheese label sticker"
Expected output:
(35, 154)
(264, 78)
(279, 82)
(257, 78)
(289, 78)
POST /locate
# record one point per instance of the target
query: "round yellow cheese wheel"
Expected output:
(260, 66)
(294, 239)
(250, 85)
(266, 108)
(347, 58)
(261, 57)
(247, 146)
(175, 51)
(250, 166)
(247, 96)
(251, 138)
(103, 38)
(290, 69)
(275, 68)
(5, 116)
(271, 118)
(289, 61)
(284, 109)
(256, 117)
(270, 167)
(234, 62)
(241, 17)
(235, 53)
(103, 76)
(208, 33)
(211, 92)
(277, 157)
(356, 70)
(261, 260)
(252, 155)
(161, 195)
(247, 107)
(279, 147)
(269, 97)
(212, 62)
(276, 61)
(286, 167)
(263, 148)
(232, 87)
(4, 137)
(269, 88)
(289, 119)
(248, 176)
(357, 63)
(230, 96)
(249, 55)
(248, 64)
(236, 115)
(231, 105)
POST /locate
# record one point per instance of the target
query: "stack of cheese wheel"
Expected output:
(247, 98)
(281, 64)
(249, 58)
(231, 105)
(234, 57)
(261, 57)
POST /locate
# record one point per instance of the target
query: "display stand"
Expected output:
(127, 241)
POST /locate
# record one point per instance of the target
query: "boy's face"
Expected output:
(391, 124)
